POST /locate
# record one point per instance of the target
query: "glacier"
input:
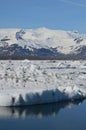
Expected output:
(30, 82)
(24, 81)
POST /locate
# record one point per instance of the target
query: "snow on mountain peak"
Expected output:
(64, 42)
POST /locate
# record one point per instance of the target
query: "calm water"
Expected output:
(56, 116)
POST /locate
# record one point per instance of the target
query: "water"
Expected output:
(56, 116)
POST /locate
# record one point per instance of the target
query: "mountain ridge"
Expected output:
(42, 43)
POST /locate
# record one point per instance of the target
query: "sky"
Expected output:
(52, 14)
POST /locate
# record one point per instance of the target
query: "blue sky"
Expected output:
(53, 14)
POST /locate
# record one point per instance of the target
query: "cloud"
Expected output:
(73, 3)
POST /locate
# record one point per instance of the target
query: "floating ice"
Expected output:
(36, 82)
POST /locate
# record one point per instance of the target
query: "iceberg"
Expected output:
(24, 82)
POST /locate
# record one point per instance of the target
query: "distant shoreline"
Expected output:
(38, 58)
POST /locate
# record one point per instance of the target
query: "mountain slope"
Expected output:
(41, 43)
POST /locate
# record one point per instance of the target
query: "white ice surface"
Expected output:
(36, 82)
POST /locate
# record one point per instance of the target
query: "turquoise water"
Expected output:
(56, 116)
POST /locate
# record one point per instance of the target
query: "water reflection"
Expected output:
(37, 111)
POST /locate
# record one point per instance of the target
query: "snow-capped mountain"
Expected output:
(43, 43)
